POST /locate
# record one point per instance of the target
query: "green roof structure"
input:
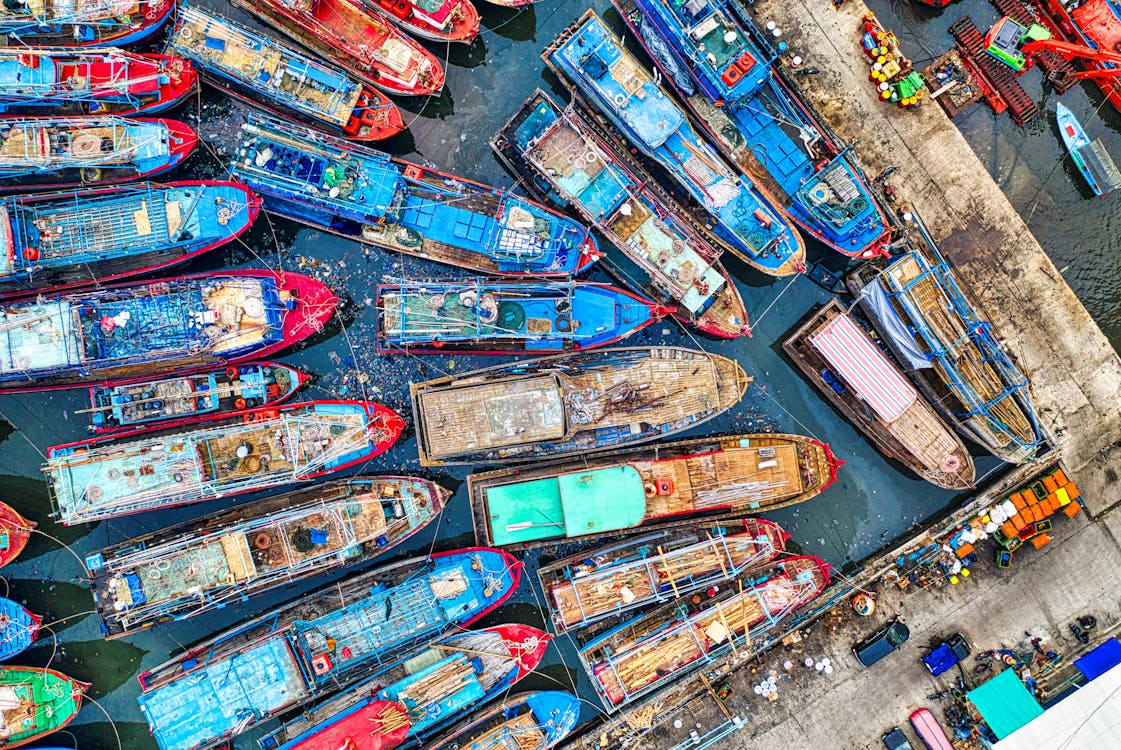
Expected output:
(569, 505)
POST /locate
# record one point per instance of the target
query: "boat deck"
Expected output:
(875, 397)
(36, 702)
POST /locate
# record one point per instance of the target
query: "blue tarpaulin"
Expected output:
(1099, 661)
(940, 659)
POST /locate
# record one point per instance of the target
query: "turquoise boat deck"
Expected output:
(569, 505)
(603, 70)
(600, 189)
(209, 702)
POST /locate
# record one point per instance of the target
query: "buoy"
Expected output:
(231, 373)
(863, 604)
(239, 403)
(262, 541)
(31, 254)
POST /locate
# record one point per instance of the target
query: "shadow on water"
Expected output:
(464, 55)
(106, 664)
(121, 734)
(515, 24)
(61, 605)
(439, 106)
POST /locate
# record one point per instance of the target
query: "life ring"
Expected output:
(563, 323)
(620, 100)
(31, 254)
(86, 144)
(262, 541)
(232, 373)
(649, 489)
(239, 403)
(185, 33)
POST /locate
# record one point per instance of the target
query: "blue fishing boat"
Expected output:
(1090, 158)
(757, 121)
(558, 155)
(131, 330)
(530, 721)
(65, 23)
(260, 71)
(19, 627)
(602, 72)
(78, 237)
(366, 195)
(449, 677)
(139, 402)
(494, 317)
(58, 152)
(59, 81)
(320, 644)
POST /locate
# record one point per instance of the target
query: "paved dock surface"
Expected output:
(1075, 372)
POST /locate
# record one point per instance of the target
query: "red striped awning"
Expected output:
(864, 368)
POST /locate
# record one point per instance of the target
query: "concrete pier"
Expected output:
(1074, 371)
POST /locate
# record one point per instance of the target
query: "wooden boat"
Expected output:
(666, 241)
(15, 531)
(759, 125)
(656, 567)
(530, 721)
(173, 400)
(19, 627)
(54, 241)
(843, 363)
(267, 74)
(436, 686)
(204, 564)
(366, 195)
(209, 319)
(359, 40)
(609, 78)
(41, 701)
(320, 644)
(574, 403)
(648, 486)
(64, 23)
(955, 357)
(209, 457)
(1090, 157)
(434, 20)
(373, 724)
(57, 152)
(663, 644)
(59, 81)
(478, 316)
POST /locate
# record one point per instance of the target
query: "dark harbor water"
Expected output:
(874, 501)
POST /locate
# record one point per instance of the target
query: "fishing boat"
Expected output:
(663, 644)
(451, 676)
(1089, 156)
(434, 20)
(479, 316)
(373, 724)
(211, 319)
(60, 81)
(19, 627)
(262, 72)
(64, 23)
(609, 78)
(757, 122)
(839, 358)
(648, 486)
(57, 152)
(558, 154)
(530, 721)
(205, 564)
(557, 406)
(320, 644)
(954, 357)
(212, 457)
(176, 399)
(654, 568)
(38, 702)
(1095, 24)
(54, 241)
(15, 531)
(359, 40)
(368, 196)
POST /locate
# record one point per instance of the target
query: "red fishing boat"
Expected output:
(373, 725)
(15, 530)
(1097, 24)
(361, 41)
(37, 81)
(66, 23)
(435, 20)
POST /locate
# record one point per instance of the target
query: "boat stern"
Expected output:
(182, 140)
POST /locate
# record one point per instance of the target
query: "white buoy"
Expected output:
(787, 664)
(819, 666)
(776, 33)
(625, 209)
(908, 216)
(828, 669)
(729, 37)
(809, 661)
(796, 61)
(770, 25)
(677, 723)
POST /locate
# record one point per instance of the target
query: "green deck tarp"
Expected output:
(1005, 703)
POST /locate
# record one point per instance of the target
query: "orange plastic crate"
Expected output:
(1071, 509)
(1009, 529)
(964, 550)
(1050, 484)
(1072, 490)
(1018, 500)
(1030, 498)
(1039, 540)
(1060, 477)
(1018, 522)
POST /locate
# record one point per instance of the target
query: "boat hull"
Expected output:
(207, 202)
(539, 720)
(406, 317)
(19, 628)
(63, 700)
(463, 26)
(177, 141)
(144, 22)
(348, 512)
(15, 531)
(312, 306)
